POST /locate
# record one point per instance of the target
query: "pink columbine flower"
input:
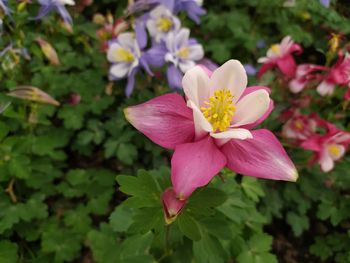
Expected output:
(329, 147)
(299, 127)
(305, 74)
(211, 128)
(280, 55)
(339, 74)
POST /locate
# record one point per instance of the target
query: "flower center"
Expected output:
(219, 110)
(334, 150)
(125, 55)
(183, 52)
(298, 125)
(164, 24)
(276, 49)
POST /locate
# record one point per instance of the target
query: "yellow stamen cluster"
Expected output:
(183, 52)
(219, 110)
(125, 55)
(276, 49)
(298, 125)
(334, 150)
(164, 24)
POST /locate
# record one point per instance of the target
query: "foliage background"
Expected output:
(62, 162)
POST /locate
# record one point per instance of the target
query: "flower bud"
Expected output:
(172, 206)
(49, 52)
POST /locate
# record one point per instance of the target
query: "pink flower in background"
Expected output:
(305, 74)
(280, 56)
(329, 147)
(211, 129)
(339, 74)
(299, 127)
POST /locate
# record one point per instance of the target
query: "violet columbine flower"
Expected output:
(280, 55)
(182, 53)
(328, 147)
(58, 6)
(211, 129)
(127, 60)
(161, 22)
(193, 8)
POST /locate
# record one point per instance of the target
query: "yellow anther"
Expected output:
(219, 110)
(124, 55)
(276, 49)
(298, 125)
(334, 150)
(164, 24)
(183, 52)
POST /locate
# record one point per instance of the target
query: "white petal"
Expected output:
(251, 107)
(230, 75)
(126, 40)
(160, 11)
(325, 88)
(201, 124)
(263, 60)
(186, 65)
(224, 137)
(326, 162)
(196, 85)
(181, 38)
(296, 85)
(120, 70)
(112, 55)
(196, 52)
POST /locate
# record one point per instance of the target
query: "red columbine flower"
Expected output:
(280, 56)
(211, 129)
(299, 127)
(339, 74)
(329, 147)
(305, 74)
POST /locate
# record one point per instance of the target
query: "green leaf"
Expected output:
(260, 243)
(189, 227)
(120, 219)
(8, 252)
(252, 188)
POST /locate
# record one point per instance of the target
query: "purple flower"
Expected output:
(260, 44)
(325, 3)
(191, 7)
(127, 59)
(180, 51)
(161, 22)
(4, 7)
(250, 69)
(48, 6)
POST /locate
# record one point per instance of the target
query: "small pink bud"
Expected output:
(172, 206)
(74, 99)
